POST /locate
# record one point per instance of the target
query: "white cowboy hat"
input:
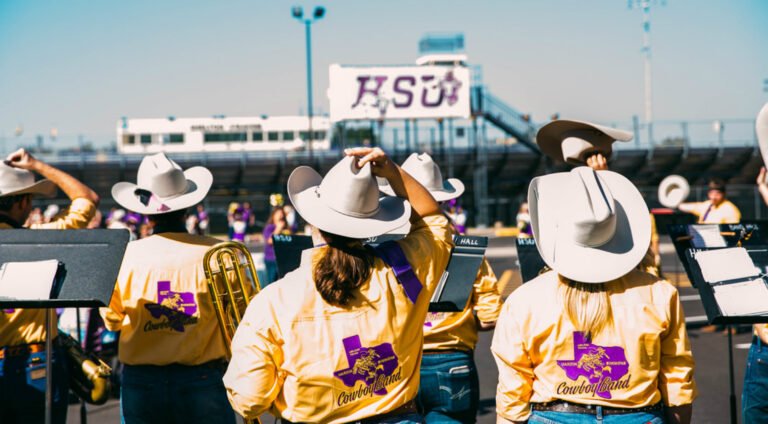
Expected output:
(761, 129)
(424, 170)
(590, 226)
(15, 181)
(346, 201)
(673, 190)
(162, 187)
(570, 140)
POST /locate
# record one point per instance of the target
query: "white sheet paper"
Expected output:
(27, 280)
(726, 264)
(739, 299)
(706, 236)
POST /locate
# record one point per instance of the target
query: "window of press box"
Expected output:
(288, 135)
(304, 135)
(460, 132)
(319, 135)
(129, 139)
(273, 136)
(146, 139)
(225, 137)
(172, 138)
(258, 136)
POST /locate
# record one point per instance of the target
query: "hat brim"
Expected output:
(199, 182)
(452, 189)
(45, 188)
(761, 129)
(549, 137)
(393, 213)
(585, 264)
(672, 198)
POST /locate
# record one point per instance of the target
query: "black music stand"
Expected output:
(455, 287)
(288, 250)
(747, 235)
(92, 260)
(529, 258)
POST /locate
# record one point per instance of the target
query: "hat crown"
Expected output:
(14, 179)
(424, 170)
(162, 176)
(590, 219)
(350, 190)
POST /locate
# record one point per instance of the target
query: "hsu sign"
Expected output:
(399, 92)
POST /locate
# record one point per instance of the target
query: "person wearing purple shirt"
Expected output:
(276, 224)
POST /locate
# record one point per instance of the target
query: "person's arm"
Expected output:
(73, 188)
(405, 186)
(762, 185)
(487, 297)
(676, 383)
(114, 314)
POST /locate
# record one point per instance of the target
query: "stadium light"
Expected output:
(318, 13)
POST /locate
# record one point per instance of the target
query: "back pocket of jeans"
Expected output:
(455, 387)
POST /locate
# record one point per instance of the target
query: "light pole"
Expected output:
(298, 13)
(645, 6)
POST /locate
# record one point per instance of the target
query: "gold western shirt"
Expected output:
(643, 358)
(308, 361)
(724, 213)
(161, 304)
(25, 326)
(458, 330)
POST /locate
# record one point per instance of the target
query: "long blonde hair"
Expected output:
(587, 305)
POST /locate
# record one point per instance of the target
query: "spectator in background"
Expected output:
(202, 220)
(457, 215)
(50, 212)
(524, 222)
(191, 223)
(276, 224)
(291, 218)
(35, 218)
(716, 209)
(248, 217)
(231, 209)
(239, 226)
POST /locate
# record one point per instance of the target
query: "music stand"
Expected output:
(92, 260)
(455, 287)
(288, 250)
(529, 258)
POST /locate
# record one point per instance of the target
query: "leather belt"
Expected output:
(563, 406)
(21, 350)
(408, 408)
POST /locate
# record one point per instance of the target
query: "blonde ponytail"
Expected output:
(587, 306)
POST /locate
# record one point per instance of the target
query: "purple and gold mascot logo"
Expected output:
(177, 307)
(603, 367)
(377, 367)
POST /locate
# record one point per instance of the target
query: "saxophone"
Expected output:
(89, 375)
(227, 267)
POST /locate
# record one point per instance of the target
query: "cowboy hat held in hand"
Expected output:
(424, 169)
(163, 187)
(16, 177)
(590, 226)
(346, 201)
(572, 141)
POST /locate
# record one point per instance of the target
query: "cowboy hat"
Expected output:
(761, 129)
(590, 226)
(162, 187)
(571, 141)
(673, 190)
(424, 170)
(346, 201)
(15, 181)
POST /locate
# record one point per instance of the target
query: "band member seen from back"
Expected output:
(340, 338)
(594, 336)
(22, 331)
(450, 390)
(716, 209)
(170, 342)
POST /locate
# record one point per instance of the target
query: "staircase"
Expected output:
(504, 117)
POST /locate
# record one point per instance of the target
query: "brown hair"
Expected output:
(272, 214)
(588, 306)
(343, 266)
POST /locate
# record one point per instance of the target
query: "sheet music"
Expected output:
(726, 264)
(706, 236)
(27, 280)
(747, 298)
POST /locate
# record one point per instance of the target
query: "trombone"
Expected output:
(227, 267)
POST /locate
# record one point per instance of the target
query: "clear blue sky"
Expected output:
(80, 65)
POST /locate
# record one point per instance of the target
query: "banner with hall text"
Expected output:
(398, 92)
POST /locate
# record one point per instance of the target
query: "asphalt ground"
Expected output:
(710, 350)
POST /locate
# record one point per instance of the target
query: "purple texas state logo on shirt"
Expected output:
(604, 368)
(178, 307)
(377, 367)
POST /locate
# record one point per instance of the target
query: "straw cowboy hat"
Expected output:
(15, 181)
(346, 201)
(424, 170)
(162, 187)
(673, 190)
(761, 129)
(571, 141)
(590, 226)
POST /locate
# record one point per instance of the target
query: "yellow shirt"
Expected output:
(644, 358)
(308, 361)
(724, 213)
(161, 303)
(761, 330)
(24, 326)
(458, 330)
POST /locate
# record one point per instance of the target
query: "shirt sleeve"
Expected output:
(253, 379)
(428, 247)
(692, 207)
(76, 216)
(487, 295)
(114, 315)
(515, 388)
(676, 374)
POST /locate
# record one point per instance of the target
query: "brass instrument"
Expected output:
(227, 267)
(89, 375)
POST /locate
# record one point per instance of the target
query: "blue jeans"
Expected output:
(547, 417)
(174, 394)
(450, 390)
(271, 267)
(398, 419)
(22, 388)
(754, 395)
